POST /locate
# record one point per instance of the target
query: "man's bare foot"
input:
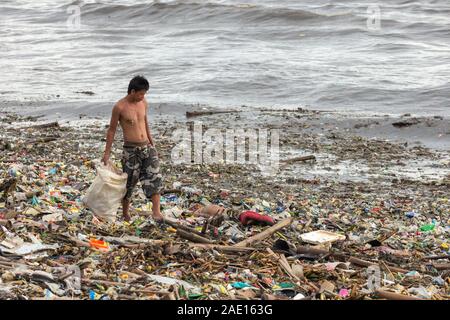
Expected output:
(158, 217)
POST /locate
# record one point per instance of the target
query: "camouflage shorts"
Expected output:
(142, 164)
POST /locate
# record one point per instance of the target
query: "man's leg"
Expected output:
(151, 181)
(156, 207)
(131, 168)
(125, 208)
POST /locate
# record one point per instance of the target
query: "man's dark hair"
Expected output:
(138, 83)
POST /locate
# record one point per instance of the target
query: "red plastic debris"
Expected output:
(247, 217)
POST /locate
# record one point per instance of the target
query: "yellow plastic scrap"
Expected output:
(223, 290)
(74, 210)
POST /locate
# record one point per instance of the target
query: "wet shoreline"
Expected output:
(346, 148)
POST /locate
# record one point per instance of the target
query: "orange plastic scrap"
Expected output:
(99, 244)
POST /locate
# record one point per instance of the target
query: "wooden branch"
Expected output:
(343, 257)
(193, 237)
(46, 125)
(106, 282)
(42, 140)
(21, 161)
(364, 263)
(298, 159)
(265, 234)
(78, 242)
(284, 265)
(394, 296)
(444, 256)
(218, 247)
(125, 242)
(190, 114)
(444, 266)
(178, 226)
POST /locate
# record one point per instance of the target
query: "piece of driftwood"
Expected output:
(283, 264)
(105, 282)
(223, 248)
(193, 237)
(364, 263)
(344, 257)
(265, 234)
(394, 296)
(444, 256)
(134, 242)
(46, 125)
(190, 114)
(178, 226)
(405, 123)
(298, 159)
(443, 266)
(25, 161)
(42, 140)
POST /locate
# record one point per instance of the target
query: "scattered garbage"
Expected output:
(228, 234)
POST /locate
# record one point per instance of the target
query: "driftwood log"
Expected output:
(265, 234)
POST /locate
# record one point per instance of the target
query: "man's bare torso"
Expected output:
(132, 121)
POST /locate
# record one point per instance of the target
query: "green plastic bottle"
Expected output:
(427, 227)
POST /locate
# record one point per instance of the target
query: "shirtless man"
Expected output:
(140, 159)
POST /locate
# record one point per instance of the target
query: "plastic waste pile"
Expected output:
(219, 240)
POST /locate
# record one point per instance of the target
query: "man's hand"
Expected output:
(105, 159)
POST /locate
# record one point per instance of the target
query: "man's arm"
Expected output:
(111, 133)
(146, 125)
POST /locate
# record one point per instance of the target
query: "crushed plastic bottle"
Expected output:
(427, 227)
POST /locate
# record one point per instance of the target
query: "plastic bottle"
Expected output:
(427, 227)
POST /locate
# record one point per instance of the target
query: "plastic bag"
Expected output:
(105, 194)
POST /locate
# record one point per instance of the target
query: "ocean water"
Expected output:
(351, 56)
